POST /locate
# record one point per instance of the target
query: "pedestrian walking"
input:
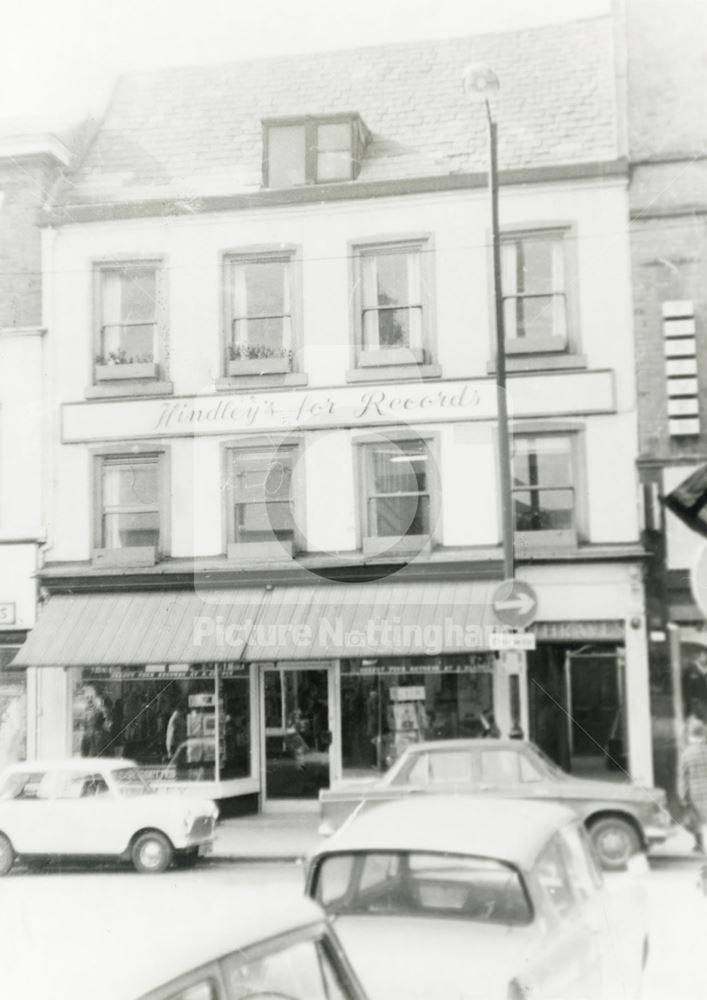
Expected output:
(692, 781)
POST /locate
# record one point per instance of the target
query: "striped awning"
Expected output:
(319, 621)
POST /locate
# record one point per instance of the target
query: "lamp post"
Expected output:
(479, 83)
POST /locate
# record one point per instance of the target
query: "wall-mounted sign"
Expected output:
(7, 613)
(512, 640)
(587, 631)
(352, 406)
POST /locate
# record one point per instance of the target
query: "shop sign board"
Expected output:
(512, 640)
(698, 579)
(592, 630)
(199, 671)
(514, 603)
(7, 613)
(445, 402)
(480, 663)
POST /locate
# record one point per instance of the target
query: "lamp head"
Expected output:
(479, 82)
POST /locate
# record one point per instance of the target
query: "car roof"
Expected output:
(71, 764)
(512, 831)
(257, 918)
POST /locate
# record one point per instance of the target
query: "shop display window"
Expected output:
(389, 703)
(168, 722)
(13, 709)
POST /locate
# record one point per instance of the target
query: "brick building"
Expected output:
(30, 163)
(666, 90)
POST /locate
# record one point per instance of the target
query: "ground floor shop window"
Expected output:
(13, 709)
(188, 725)
(389, 703)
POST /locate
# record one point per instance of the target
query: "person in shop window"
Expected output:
(93, 738)
(176, 730)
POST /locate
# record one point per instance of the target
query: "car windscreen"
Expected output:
(130, 781)
(427, 884)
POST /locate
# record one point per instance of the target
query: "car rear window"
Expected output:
(22, 785)
(425, 884)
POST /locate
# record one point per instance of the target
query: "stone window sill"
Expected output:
(122, 389)
(248, 382)
(400, 546)
(394, 373)
(145, 555)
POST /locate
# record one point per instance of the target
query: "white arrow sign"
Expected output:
(522, 603)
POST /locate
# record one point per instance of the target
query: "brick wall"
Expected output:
(24, 185)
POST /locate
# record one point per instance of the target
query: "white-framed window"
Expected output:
(260, 497)
(312, 150)
(260, 313)
(544, 486)
(392, 302)
(398, 493)
(130, 320)
(535, 291)
(129, 502)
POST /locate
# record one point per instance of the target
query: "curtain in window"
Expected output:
(240, 305)
(559, 321)
(111, 312)
(414, 299)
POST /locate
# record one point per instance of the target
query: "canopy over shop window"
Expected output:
(324, 621)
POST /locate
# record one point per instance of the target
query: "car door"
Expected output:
(84, 814)
(25, 810)
(568, 963)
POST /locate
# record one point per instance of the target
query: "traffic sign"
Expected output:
(512, 640)
(514, 603)
(698, 579)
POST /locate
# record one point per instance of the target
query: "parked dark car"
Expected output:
(621, 818)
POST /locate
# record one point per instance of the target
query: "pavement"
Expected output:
(290, 836)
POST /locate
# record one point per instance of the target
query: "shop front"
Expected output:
(263, 696)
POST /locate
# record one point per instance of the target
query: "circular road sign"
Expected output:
(698, 578)
(514, 603)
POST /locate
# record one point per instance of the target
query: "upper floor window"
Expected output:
(260, 313)
(129, 502)
(544, 500)
(128, 334)
(535, 288)
(391, 303)
(313, 150)
(260, 498)
(398, 493)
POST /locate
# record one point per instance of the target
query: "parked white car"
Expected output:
(480, 900)
(98, 808)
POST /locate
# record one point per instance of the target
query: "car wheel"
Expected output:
(151, 853)
(7, 855)
(187, 859)
(615, 841)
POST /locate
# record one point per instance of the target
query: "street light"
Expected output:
(480, 83)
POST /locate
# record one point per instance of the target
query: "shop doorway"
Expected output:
(596, 713)
(297, 734)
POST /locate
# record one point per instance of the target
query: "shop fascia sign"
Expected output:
(382, 405)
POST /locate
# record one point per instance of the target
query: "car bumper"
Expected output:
(655, 834)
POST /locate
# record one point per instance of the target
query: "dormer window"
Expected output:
(312, 150)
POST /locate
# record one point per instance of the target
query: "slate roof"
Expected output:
(196, 131)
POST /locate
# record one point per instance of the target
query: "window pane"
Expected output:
(544, 510)
(534, 266)
(260, 522)
(130, 485)
(396, 516)
(260, 288)
(23, 785)
(499, 767)
(545, 461)
(335, 137)
(121, 531)
(393, 279)
(138, 295)
(553, 877)
(400, 467)
(262, 492)
(452, 766)
(286, 155)
(295, 973)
